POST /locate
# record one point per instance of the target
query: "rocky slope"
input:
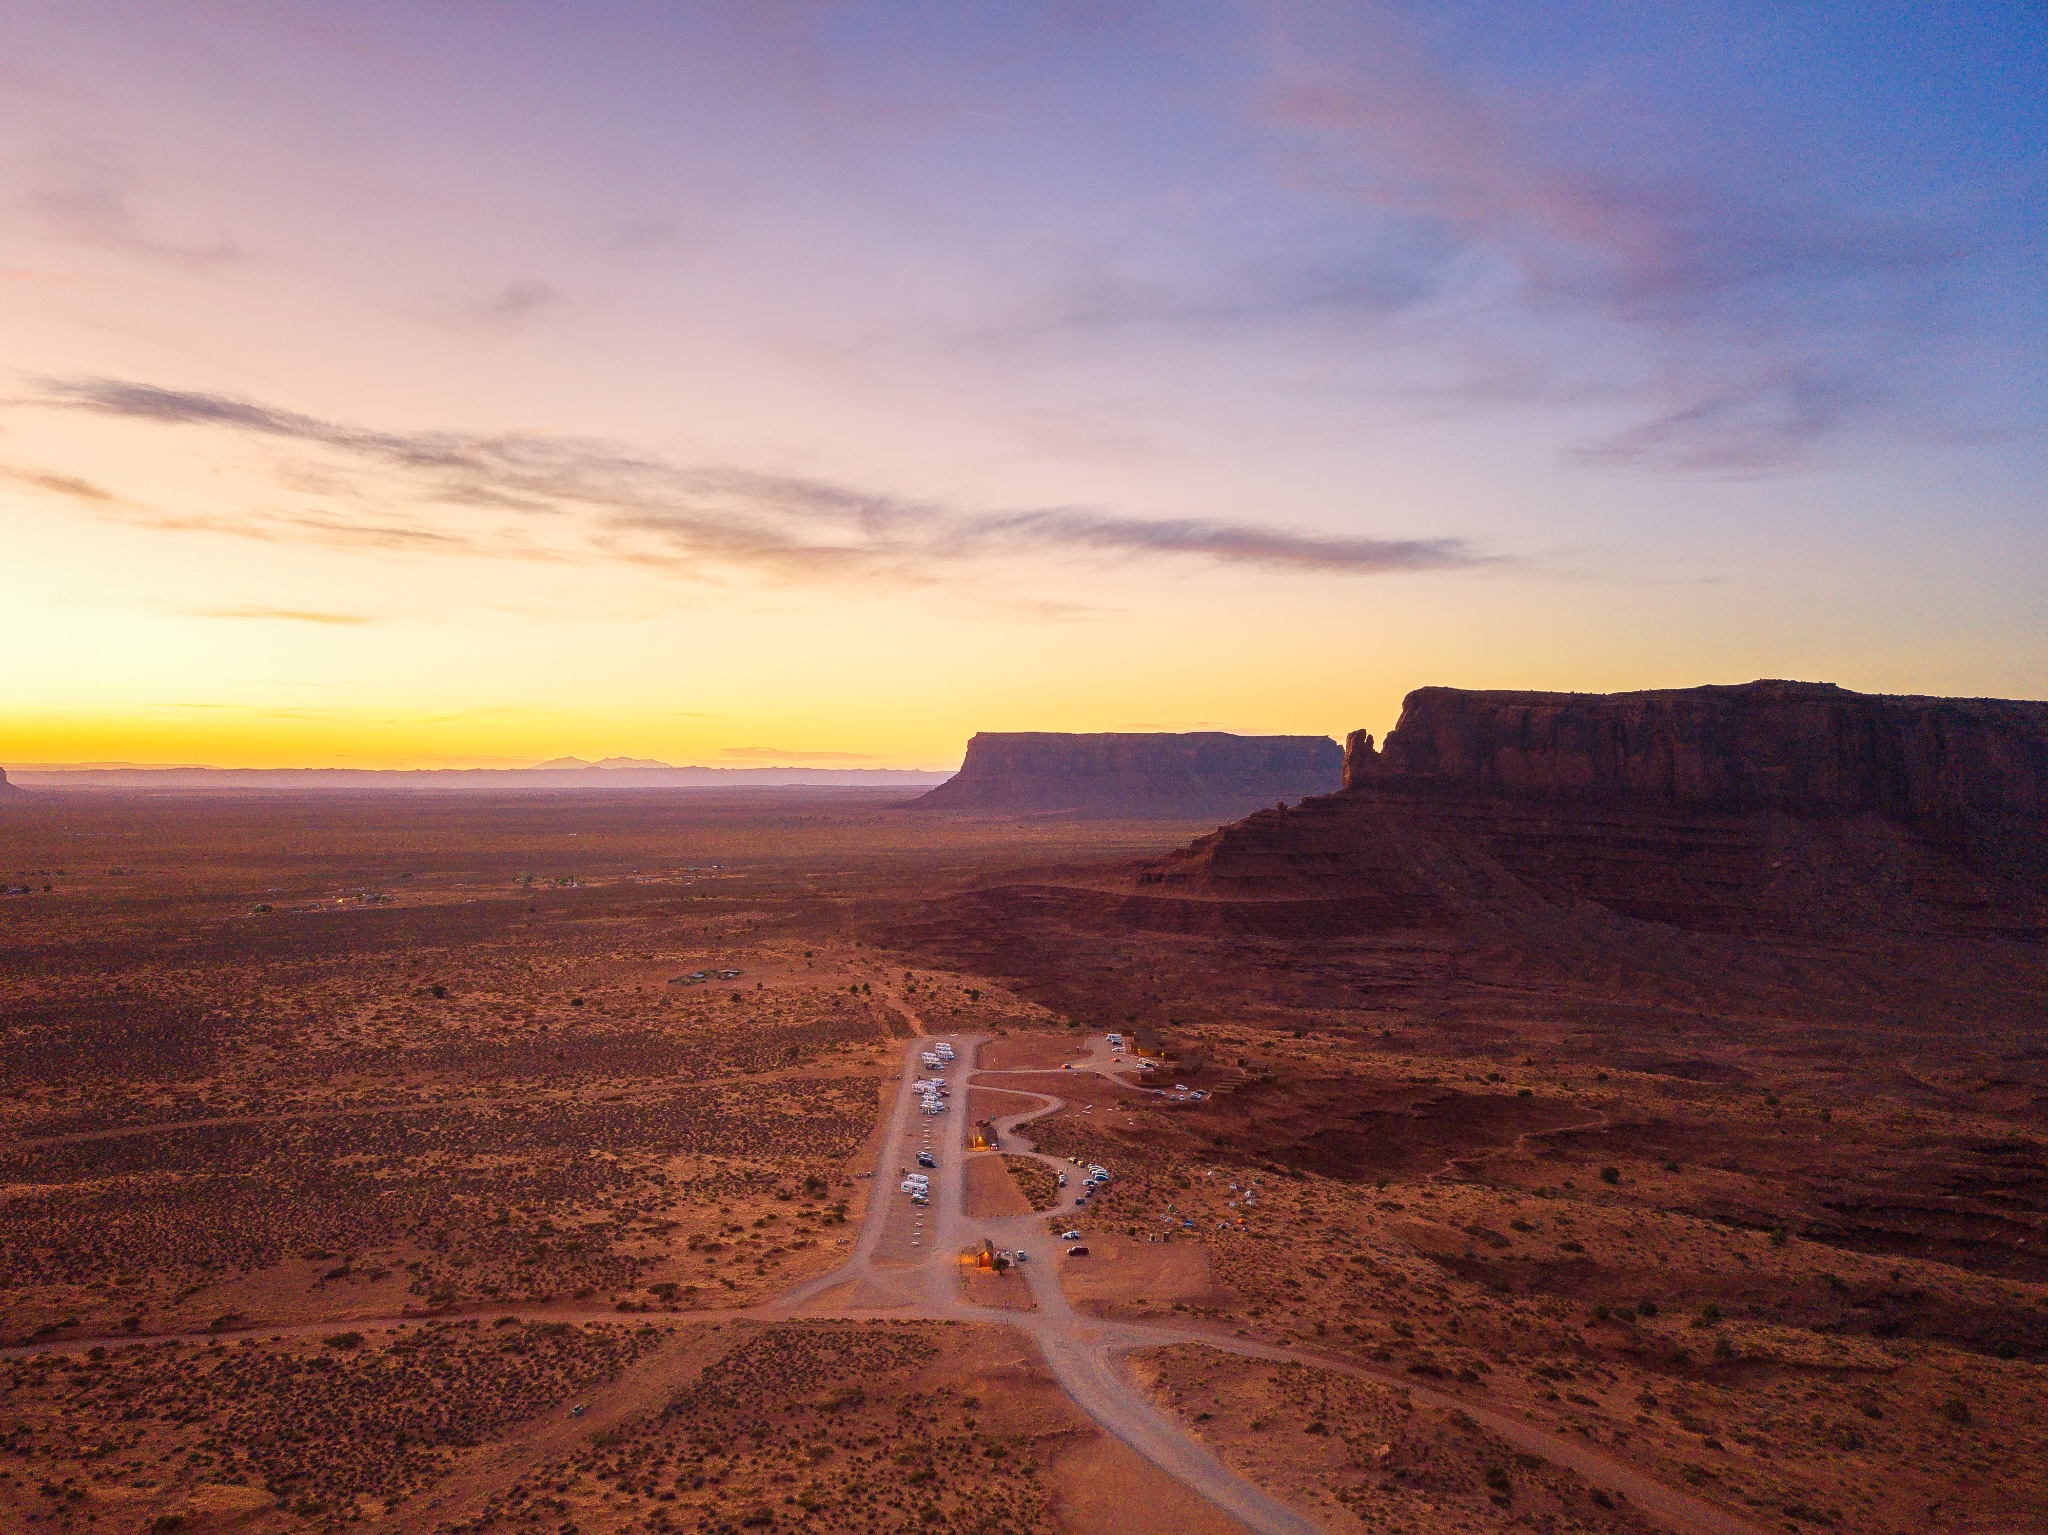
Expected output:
(1750, 901)
(1150, 774)
(6, 788)
(1763, 847)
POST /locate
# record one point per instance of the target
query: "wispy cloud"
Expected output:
(513, 306)
(286, 615)
(607, 502)
(57, 484)
(1743, 329)
(1227, 543)
(94, 206)
(1464, 260)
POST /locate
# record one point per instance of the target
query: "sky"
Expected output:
(458, 384)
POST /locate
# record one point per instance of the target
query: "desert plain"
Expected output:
(467, 1163)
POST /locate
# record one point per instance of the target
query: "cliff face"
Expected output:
(6, 788)
(1782, 812)
(1204, 773)
(1795, 746)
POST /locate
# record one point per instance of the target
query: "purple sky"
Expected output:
(429, 382)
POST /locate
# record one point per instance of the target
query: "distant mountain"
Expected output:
(564, 773)
(608, 763)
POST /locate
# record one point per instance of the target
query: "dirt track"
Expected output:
(1083, 1352)
(906, 1264)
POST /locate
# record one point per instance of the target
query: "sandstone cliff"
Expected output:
(6, 788)
(1796, 746)
(1150, 775)
(1760, 852)
(1719, 888)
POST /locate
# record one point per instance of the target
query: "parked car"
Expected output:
(1077, 1252)
(1070, 1236)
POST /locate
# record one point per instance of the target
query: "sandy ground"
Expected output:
(1792, 1271)
(990, 1188)
(1124, 1277)
(1105, 1488)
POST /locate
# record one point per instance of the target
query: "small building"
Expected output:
(984, 1137)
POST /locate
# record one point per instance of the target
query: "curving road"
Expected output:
(906, 1263)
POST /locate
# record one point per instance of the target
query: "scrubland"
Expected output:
(327, 1215)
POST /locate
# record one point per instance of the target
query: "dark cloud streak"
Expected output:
(710, 521)
(1225, 542)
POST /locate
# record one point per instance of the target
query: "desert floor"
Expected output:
(385, 1163)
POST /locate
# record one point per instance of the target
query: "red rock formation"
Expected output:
(6, 788)
(1799, 746)
(1151, 774)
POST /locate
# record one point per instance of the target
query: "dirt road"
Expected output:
(908, 1263)
(887, 1277)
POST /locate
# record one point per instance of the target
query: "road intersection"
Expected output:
(909, 1262)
